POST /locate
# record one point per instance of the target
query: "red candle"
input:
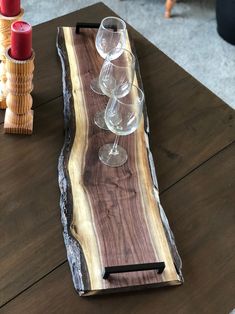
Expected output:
(10, 7)
(21, 40)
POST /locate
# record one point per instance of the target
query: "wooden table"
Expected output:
(192, 140)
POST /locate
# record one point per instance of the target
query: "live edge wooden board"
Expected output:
(111, 216)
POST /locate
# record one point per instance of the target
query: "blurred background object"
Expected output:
(168, 7)
(225, 14)
(190, 37)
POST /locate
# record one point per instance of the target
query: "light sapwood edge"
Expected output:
(74, 250)
(82, 210)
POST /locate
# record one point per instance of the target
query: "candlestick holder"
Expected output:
(5, 34)
(19, 116)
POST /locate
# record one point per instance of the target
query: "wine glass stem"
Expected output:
(114, 150)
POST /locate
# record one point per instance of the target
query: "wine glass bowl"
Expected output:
(116, 74)
(122, 117)
(111, 34)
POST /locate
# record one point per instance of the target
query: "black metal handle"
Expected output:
(134, 267)
(86, 25)
(92, 25)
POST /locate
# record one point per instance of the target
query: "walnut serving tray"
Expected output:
(115, 231)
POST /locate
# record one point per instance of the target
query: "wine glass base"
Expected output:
(112, 160)
(100, 121)
(96, 87)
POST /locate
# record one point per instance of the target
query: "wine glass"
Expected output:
(122, 116)
(116, 71)
(111, 34)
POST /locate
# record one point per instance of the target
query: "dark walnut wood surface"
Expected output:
(192, 140)
(111, 216)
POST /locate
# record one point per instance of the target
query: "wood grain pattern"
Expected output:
(189, 124)
(202, 207)
(113, 213)
(31, 244)
(30, 228)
